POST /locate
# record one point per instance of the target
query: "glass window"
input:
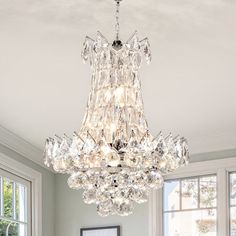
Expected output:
(232, 204)
(14, 204)
(172, 193)
(190, 206)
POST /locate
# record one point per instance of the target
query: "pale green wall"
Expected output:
(214, 155)
(64, 212)
(72, 213)
(48, 190)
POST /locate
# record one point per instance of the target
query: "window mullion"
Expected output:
(222, 203)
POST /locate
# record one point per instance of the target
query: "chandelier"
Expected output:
(113, 157)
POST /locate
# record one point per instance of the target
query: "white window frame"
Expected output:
(35, 177)
(15, 179)
(221, 168)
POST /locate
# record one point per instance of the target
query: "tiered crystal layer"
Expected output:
(113, 157)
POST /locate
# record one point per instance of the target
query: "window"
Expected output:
(20, 199)
(190, 206)
(232, 178)
(15, 205)
(197, 200)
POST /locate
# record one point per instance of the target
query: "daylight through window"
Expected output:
(233, 204)
(190, 206)
(14, 205)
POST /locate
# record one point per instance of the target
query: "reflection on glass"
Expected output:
(189, 193)
(190, 223)
(171, 195)
(208, 191)
(8, 198)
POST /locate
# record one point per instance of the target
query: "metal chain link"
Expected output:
(117, 26)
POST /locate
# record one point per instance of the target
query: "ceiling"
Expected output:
(189, 88)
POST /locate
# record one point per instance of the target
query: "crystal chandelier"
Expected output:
(113, 157)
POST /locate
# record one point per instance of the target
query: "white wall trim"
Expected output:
(21, 146)
(221, 168)
(35, 178)
(203, 167)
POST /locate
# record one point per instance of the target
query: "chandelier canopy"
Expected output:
(113, 157)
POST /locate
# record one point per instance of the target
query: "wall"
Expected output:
(64, 212)
(48, 190)
(213, 155)
(72, 213)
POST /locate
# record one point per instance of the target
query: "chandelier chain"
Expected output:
(117, 26)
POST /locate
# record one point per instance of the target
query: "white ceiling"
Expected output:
(189, 88)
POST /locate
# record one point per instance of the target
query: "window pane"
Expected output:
(233, 221)
(189, 193)
(233, 189)
(190, 223)
(171, 195)
(233, 203)
(208, 191)
(1, 196)
(14, 193)
(8, 198)
(8, 228)
(21, 203)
